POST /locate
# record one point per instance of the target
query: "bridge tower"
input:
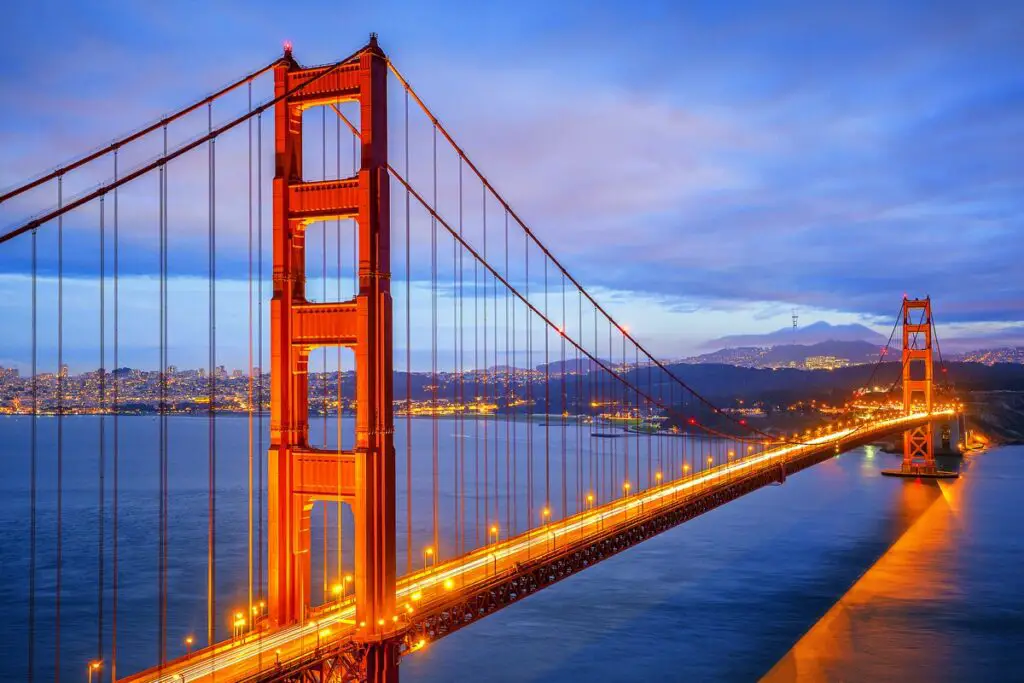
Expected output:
(918, 447)
(298, 473)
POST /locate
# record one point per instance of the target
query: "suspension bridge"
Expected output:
(533, 436)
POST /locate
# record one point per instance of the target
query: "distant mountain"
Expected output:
(814, 333)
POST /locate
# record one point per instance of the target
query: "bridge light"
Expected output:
(336, 589)
(380, 622)
(416, 596)
(657, 476)
(449, 584)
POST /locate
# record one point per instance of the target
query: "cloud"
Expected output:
(703, 160)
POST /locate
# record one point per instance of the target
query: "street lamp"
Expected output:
(348, 580)
(427, 552)
(94, 666)
(494, 532)
(336, 590)
(188, 645)
(590, 500)
(238, 624)
(657, 477)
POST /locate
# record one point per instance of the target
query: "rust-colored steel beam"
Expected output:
(298, 473)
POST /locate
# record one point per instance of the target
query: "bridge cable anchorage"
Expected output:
(164, 159)
(132, 137)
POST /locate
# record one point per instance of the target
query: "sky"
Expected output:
(704, 168)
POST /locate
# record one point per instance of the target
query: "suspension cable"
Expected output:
(132, 137)
(164, 159)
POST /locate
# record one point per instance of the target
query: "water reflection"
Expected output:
(874, 628)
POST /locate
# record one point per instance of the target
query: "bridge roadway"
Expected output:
(427, 599)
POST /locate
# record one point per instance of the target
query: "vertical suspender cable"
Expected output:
(547, 395)
(530, 510)
(249, 407)
(259, 353)
(116, 444)
(476, 392)
(408, 359)
(494, 392)
(481, 416)
(565, 507)
(162, 420)
(509, 394)
(211, 549)
(60, 423)
(462, 378)
(101, 558)
(338, 377)
(434, 522)
(323, 294)
(33, 471)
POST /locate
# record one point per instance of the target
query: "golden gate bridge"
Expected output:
(419, 249)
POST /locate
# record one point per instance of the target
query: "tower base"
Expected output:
(921, 472)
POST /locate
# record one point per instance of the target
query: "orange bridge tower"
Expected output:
(298, 473)
(918, 447)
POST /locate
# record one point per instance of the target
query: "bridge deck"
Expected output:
(443, 598)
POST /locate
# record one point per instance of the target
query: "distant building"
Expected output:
(825, 363)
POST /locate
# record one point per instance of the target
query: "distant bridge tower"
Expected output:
(918, 447)
(298, 473)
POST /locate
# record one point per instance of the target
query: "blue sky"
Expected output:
(705, 167)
